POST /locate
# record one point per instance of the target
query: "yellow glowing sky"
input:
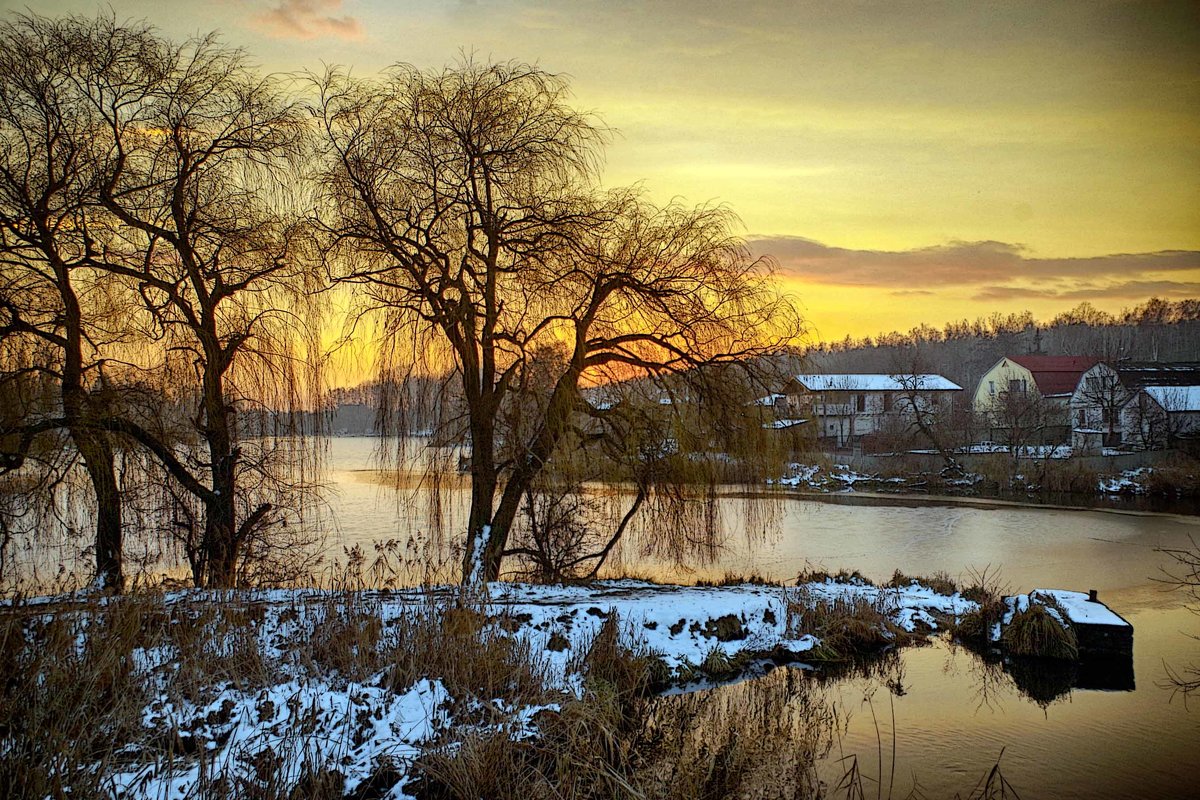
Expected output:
(906, 162)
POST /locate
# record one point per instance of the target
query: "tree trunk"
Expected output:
(557, 415)
(484, 480)
(219, 540)
(98, 459)
(93, 445)
(479, 520)
(220, 522)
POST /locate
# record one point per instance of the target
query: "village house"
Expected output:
(1016, 384)
(846, 407)
(1136, 406)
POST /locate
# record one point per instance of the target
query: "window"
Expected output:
(1016, 386)
(887, 403)
(860, 402)
(1082, 418)
(991, 387)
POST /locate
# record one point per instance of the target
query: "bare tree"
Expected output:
(198, 182)
(463, 204)
(1021, 417)
(918, 405)
(1185, 577)
(1105, 394)
(54, 306)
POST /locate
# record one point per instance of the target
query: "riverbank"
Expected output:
(363, 694)
(1173, 486)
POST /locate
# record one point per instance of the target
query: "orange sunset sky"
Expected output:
(905, 162)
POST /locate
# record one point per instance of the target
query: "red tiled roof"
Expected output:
(1055, 374)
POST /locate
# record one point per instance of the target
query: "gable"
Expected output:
(1055, 375)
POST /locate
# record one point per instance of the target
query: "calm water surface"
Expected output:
(953, 715)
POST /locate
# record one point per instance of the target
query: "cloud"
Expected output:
(1125, 290)
(987, 264)
(308, 19)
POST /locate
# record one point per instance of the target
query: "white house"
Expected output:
(1135, 405)
(1048, 379)
(846, 407)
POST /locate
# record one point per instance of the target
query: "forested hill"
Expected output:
(1157, 330)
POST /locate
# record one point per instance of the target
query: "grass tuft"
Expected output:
(939, 582)
(847, 625)
(1037, 632)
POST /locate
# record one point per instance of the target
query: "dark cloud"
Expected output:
(988, 263)
(1125, 290)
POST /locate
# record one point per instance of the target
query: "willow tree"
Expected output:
(199, 188)
(464, 206)
(58, 315)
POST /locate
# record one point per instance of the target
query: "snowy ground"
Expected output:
(1131, 481)
(356, 728)
(839, 478)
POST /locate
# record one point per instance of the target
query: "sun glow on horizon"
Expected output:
(905, 164)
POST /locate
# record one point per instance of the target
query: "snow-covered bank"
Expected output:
(683, 625)
(230, 689)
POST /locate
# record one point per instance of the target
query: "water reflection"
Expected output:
(1042, 680)
(759, 738)
(932, 721)
(1066, 730)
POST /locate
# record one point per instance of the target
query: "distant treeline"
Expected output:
(1157, 330)
(963, 350)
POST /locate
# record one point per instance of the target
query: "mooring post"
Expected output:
(1092, 596)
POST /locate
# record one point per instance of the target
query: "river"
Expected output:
(952, 714)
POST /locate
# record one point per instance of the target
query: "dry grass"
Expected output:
(69, 693)
(818, 575)
(940, 582)
(473, 657)
(346, 641)
(212, 644)
(76, 680)
(73, 696)
(986, 589)
(584, 750)
(758, 739)
(738, 579)
(621, 665)
(847, 625)
(1036, 632)
(1177, 478)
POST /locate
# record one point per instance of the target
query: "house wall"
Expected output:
(1096, 407)
(1143, 423)
(842, 416)
(996, 380)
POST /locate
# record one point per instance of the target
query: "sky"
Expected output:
(904, 162)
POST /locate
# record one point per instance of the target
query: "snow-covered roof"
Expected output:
(1175, 398)
(770, 399)
(876, 383)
